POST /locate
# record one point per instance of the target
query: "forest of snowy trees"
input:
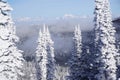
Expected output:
(100, 63)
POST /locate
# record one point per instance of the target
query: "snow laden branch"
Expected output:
(11, 59)
(104, 42)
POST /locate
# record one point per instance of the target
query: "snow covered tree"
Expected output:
(77, 41)
(41, 58)
(45, 62)
(61, 72)
(12, 32)
(29, 71)
(76, 55)
(10, 57)
(50, 56)
(105, 62)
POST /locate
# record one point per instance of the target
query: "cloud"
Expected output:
(59, 24)
(25, 19)
(28, 19)
(69, 16)
(72, 16)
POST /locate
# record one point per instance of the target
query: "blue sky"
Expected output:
(57, 8)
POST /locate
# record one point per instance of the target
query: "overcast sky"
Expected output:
(57, 8)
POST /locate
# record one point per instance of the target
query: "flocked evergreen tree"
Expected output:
(45, 56)
(76, 55)
(41, 58)
(105, 62)
(61, 72)
(38, 57)
(29, 71)
(50, 56)
(10, 57)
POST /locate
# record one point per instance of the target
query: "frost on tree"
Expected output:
(45, 62)
(50, 56)
(61, 72)
(29, 71)
(41, 58)
(104, 42)
(77, 41)
(10, 57)
(76, 55)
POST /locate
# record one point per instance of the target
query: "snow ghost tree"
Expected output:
(45, 62)
(77, 41)
(104, 42)
(41, 58)
(39, 55)
(10, 57)
(76, 55)
(50, 56)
